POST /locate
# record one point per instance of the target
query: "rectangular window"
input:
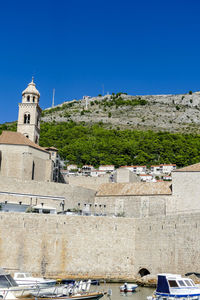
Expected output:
(173, 283)
(181, 283)
(188, 283)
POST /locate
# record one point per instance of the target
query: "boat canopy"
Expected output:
(162, 286)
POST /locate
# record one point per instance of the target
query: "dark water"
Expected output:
(141, 293)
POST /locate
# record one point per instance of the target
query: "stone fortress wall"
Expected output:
(72, 194)
(87, 182)
(99, 247)
(161, 234)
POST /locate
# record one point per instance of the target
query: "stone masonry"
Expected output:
(99, 247)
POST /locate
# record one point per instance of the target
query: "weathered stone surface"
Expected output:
(148, 280)
(99, 247)
(173, 113)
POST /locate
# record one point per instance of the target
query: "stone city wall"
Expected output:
(131, 206)
(168, 244)
(87, 182)
(63, 246)
(99, 247)
(186, 189)
(72, 194)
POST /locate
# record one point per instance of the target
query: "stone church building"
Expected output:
(21, 156)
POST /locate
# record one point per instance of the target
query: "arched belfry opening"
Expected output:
(143, 272)
(27, 118)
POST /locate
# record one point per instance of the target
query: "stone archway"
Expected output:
(143, 272)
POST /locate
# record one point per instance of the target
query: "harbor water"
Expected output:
(141, 293)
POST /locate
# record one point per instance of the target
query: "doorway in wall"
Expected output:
(143, 272)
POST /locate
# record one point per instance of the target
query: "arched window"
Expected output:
(33, 98)
(28, 98)
(27, 118)
(26, 135)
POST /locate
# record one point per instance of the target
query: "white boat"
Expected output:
(170, 286)
(25, 279)
(128, 287)
(81, 296)
(9, 289)
(77, 291)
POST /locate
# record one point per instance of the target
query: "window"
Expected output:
(7, 281)
(28, 98)
(33, 170)
(33, 98)
(36, 140)
(181, 283)
(173, 283)
(20, 275)
(188, 283)
(27, 118)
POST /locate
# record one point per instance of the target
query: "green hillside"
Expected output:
(82, 144)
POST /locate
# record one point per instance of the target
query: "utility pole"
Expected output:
(53, 97)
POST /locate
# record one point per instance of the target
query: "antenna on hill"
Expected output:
(86, 103)
(53, 98)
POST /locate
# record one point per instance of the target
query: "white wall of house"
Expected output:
(167, 169)
(108, 168)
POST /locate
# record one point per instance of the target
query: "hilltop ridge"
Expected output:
(173, 113)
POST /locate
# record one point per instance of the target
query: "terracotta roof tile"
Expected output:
(191, 168)
(51, 148)
(16, 138)
(135, 188)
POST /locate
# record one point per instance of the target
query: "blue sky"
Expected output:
(138, 47)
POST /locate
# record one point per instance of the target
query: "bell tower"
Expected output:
(30, 113)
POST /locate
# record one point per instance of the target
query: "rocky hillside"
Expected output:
(174, 113)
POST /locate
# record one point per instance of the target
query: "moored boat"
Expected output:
(25, 279)
(76, 291)
(171, 286)
(81, 296)
(9, 289)
(128, 287)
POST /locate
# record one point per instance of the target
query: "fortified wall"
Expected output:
(99, 247)
(161, 234)
(35, 193)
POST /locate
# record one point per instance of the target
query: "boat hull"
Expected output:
(88, 296)
(128, 288)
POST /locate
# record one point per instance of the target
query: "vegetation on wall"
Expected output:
(81, 144)
(118, 101)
